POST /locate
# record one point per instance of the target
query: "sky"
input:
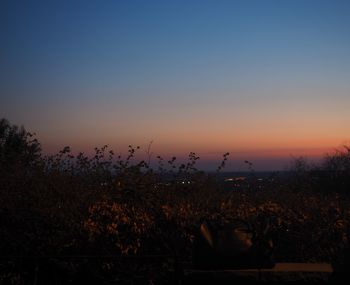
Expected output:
(264, 80)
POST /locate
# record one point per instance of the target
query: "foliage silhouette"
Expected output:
(66, 204)
(18, 148)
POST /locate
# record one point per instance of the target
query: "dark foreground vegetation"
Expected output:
(68, 219)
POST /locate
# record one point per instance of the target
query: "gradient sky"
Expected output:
(263, 80)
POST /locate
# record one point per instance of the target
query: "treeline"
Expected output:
(331, 175)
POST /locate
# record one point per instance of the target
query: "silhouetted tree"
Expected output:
(18, 148)
(337, 167)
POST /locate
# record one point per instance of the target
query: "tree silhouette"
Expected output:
(18, 148)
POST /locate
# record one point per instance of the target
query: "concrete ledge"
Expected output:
(282, 272)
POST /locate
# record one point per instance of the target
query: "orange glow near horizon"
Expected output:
(211, 149)
(264, 128)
